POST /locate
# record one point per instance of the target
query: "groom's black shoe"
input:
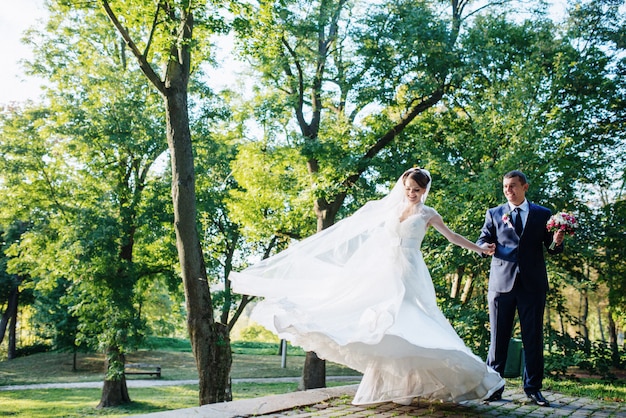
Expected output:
(496, 396)
(538, 398)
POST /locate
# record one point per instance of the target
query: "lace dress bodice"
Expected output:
(411, 231)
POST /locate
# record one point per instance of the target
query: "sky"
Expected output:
(15, 17)
(18, 15)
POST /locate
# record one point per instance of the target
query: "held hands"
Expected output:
(488, 249)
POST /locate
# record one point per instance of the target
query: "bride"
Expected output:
(359, 294)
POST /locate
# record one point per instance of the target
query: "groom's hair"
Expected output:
(516, 173)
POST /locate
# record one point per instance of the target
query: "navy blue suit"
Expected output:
(518, 281)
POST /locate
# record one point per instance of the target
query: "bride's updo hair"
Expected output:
(420, 176)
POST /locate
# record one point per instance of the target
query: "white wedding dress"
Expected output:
(361, 295)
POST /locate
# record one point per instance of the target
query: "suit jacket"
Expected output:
(518, 254)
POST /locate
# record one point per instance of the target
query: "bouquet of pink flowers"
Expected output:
(562, 221)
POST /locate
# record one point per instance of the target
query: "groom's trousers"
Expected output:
(530, 307)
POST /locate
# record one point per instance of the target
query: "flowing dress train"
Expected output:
(362, 296)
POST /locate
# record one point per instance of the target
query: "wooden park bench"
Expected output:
(142, 368)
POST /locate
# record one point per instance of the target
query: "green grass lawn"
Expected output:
(175, 365)
(250, 360)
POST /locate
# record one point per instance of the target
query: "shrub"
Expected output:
(257, 333)
(564, 352)
(32, 349)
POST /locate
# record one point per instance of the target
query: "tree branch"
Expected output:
(299, 107)
(389, 136)
(152, 30)
(145, 66)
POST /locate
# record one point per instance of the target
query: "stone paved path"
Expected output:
(512, 406)
(335, 402)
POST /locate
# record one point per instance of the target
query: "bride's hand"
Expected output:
(488, 249)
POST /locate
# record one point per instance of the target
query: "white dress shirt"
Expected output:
(523, 211)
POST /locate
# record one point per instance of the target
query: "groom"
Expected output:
(518, 280)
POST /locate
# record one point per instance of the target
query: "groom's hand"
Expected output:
(488, 249)
(558, 237)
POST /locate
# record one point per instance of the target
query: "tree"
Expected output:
(597, 93)
(168, 31)
(171, 28)
(88, 232)
(331, 62)
(91, 156)
(24, 176)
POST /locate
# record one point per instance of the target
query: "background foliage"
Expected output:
(84, 173)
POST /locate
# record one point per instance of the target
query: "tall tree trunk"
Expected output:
(209, 340)
(600, 324)
(548, 324)
(114, 390)
(454, 287)
(11, 309)
(468, 288)
(457, 279)
(12, 318)
(615, 354)
(584, 313)
(219, 365)
(4, 321)
(12, 349)
(314, 372)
